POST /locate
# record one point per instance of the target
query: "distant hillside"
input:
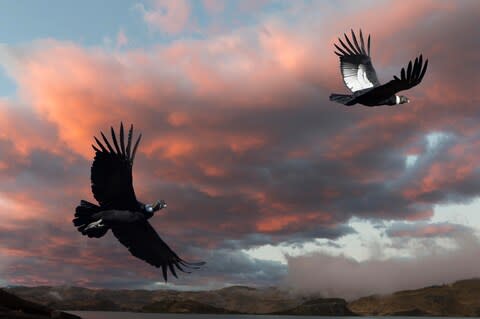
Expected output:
(320, 307)
(184, 306)
(460, 299)
(13, 307)
(238, 299)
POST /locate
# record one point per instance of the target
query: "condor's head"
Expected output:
(152, 208)
(401, 99)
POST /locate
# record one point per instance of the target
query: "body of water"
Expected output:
(136, 315)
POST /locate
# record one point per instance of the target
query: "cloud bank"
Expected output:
(340, 276)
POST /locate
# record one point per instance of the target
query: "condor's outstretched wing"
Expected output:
(407, 80)
(355, 64)
(143, 242)
(111, 172)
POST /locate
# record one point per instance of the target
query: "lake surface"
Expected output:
(136, 315)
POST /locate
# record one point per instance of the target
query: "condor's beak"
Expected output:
(159, 205)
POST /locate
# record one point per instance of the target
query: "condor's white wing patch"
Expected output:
(355, 76)
(355, 63)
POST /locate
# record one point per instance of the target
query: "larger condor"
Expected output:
(360, 76)
(119, 209)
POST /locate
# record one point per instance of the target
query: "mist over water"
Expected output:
(344, 277)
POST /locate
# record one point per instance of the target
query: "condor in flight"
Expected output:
(360, 77)
(119, 210)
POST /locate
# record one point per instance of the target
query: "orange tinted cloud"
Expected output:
(275, 224)
(424, 230)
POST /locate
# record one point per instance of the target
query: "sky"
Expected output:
(266, 180)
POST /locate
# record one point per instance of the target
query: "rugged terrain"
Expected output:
(235, 299)
(461, 298)
(12, 306)
(320, 307)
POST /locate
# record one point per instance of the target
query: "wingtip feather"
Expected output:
(114, 139)
(100, 144)
(134, 152)
(424, 70)
(362, 43)
(368, 45)
(164, 272)
(409, 70)
(129, 143)
(359, 50)
(106, 142)
(352, 47)
(122, 139)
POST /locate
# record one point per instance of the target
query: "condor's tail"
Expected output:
(83, 217)
(343, 99)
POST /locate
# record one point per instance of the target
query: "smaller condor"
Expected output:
(360, 77)
(119, 209)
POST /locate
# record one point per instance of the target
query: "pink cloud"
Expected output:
(424, 230)
(122, 39)
(169, 17)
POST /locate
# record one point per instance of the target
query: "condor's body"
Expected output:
(120, 211)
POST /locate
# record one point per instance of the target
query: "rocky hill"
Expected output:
(13, 307)
(184, 306)
(235, 299)
(320, 307)
(460, 299)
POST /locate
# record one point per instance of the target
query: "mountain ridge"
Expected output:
(461, 298)
(12, 306)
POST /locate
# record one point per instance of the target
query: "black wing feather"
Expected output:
(110, 149)
(122, 141)
(144, 243)
(362, 43)
(111, 176)
(423, 71)
(129, 144)
(341, 51)
(349, 50)
(100, 144)
(114, 139)
(359, 50)
(368, 45)
(135, 148)
(352, 47)
(407, 80)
